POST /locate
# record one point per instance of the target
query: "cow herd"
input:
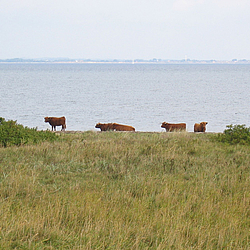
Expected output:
(170, 127)
(198, 127)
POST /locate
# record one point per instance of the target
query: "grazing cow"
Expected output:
(173, 127)
(200, 127)
(120, 127)
(56, 121)
(104, 126)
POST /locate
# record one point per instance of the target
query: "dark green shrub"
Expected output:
(12, 133)
(235, 134)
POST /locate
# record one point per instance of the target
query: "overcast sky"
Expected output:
(125, 29)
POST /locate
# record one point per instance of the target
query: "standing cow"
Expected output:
(56, 121)
(200, 127)
(170, 127)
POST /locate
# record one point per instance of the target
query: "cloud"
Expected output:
(182, 5)
(231, 3)
(186, 5)
(118, 28)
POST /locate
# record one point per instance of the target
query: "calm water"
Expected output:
(139, 95)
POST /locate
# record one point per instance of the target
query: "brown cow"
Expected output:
(104, 126)
(120, 127)
(170, 127)
(56, 121)
(200, 127)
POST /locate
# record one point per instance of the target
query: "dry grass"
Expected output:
(125, 191)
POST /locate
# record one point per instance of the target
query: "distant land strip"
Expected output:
(129, 61)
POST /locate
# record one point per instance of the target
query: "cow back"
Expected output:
(57, 121)
(120, 127)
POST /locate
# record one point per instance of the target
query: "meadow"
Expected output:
(119, 190)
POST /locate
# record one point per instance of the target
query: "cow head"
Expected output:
(46, 119)
(98, 125)
(163, 125)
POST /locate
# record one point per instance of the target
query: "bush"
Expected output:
(235, 134)
(12, 133)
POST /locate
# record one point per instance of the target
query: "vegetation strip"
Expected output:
(126, 191)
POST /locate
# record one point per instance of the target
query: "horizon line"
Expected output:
(137, 60)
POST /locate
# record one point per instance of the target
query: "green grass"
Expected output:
(114, 190)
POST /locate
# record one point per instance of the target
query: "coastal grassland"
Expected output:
(111, 190)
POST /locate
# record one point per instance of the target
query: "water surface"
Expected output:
(140, 95)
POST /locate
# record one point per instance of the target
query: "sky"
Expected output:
(125, 29)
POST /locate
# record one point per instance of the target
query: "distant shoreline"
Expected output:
(130, 61)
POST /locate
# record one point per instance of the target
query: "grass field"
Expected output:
(114, 190)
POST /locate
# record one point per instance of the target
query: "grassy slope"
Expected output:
(125, 191)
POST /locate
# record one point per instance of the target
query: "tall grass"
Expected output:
(125, 191)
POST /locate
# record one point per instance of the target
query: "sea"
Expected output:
(140, 95)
